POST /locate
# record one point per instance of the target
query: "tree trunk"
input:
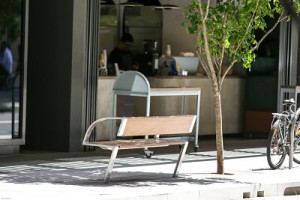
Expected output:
(219, 131)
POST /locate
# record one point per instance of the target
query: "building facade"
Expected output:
(58, 80)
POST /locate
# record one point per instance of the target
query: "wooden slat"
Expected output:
(138, 143)
(161, 125)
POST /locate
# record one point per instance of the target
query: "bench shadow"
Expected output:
(89, 171)
(95, 178)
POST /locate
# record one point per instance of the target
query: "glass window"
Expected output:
(11, 66)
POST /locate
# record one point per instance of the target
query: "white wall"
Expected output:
(173, 33)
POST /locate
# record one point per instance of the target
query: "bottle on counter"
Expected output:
(172, 67)
(168, 51)
(103, 63)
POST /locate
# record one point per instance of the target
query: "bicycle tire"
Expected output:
(275, 150)
(296, 156)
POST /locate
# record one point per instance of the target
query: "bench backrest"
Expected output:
(159, 125)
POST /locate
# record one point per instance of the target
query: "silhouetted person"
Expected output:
(6, 63)
(122, 54)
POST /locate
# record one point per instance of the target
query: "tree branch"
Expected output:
(223, 47)
(280, 19)
(227, 70)
(206, 46)
(203, 63)
(207, 10)
(247, 30)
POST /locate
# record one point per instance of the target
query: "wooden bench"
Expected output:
(144, 126)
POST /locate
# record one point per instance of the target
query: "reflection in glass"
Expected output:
(145, 24)
(10, 67)
(108, 27)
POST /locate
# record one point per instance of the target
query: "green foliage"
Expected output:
(297, 4)
(10, 19)
(231, 26)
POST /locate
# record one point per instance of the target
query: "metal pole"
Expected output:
(291, 151)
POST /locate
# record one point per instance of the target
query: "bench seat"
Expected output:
(143, 126)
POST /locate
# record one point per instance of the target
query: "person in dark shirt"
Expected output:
(122, 54)
(124, 58)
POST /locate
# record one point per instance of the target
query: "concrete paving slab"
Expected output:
(80, 176)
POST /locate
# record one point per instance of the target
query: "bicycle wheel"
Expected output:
(296, 156)
(276, 151)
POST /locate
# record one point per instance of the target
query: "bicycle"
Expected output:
(279, 137)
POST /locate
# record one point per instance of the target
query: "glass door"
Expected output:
(12, 38)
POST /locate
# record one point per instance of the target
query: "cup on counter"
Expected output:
(184, 73)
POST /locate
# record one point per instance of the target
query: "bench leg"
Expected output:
(180, 159)
(111, 164)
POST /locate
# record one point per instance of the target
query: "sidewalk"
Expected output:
(32, 176)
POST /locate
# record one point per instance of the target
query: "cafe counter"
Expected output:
(232, 101)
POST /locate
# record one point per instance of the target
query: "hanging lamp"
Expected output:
(167, 6)
(131, 3)
(107, 2)
(149, 2)
(142, 3)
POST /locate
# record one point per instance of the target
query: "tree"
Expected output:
(10, 19)
(228, 29)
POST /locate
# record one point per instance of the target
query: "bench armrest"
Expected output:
(93, 125)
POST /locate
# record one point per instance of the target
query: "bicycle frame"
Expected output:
(282, 136)
(283, 123)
